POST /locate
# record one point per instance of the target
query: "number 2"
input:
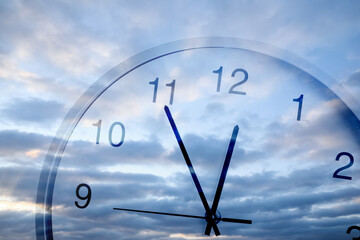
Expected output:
(336, 173)
(231, 90)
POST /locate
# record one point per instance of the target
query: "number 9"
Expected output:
(87, 197)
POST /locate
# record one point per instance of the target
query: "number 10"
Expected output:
(121, 125)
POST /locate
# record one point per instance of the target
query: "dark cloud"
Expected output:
(33, 110)
(206, 150)
(289, 140)
(13, 142)
(124, 190)
(20, 182)
(81, 153)
(352, 83)
(213, 109)
(17, 198)
(273, 202)
(17, 224)
(354, 79)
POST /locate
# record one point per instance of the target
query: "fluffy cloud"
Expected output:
(33, 111)
(13, 142)
(50, 53)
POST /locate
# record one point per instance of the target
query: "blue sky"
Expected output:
(51, 52)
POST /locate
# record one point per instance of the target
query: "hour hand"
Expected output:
(223, 175)
(209, 218)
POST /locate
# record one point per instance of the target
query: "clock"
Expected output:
(202, 138)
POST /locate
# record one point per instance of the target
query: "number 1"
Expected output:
(219, 71)
(172, 85)
(155, 82)
(98, 125)
(300, 101)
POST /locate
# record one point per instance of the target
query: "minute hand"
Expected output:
(211, 221)
(223, 175)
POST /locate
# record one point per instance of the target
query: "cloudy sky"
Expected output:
(52, 52)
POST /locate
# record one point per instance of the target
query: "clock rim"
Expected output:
(43, 215)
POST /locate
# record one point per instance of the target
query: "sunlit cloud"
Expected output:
(33, 153)
(8, 204)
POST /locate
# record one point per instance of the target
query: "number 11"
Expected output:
(156, 84)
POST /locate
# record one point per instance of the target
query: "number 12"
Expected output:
(232, 88)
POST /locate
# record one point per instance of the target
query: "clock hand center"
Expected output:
(216, 217)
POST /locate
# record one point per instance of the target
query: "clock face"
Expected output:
(204, 137)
